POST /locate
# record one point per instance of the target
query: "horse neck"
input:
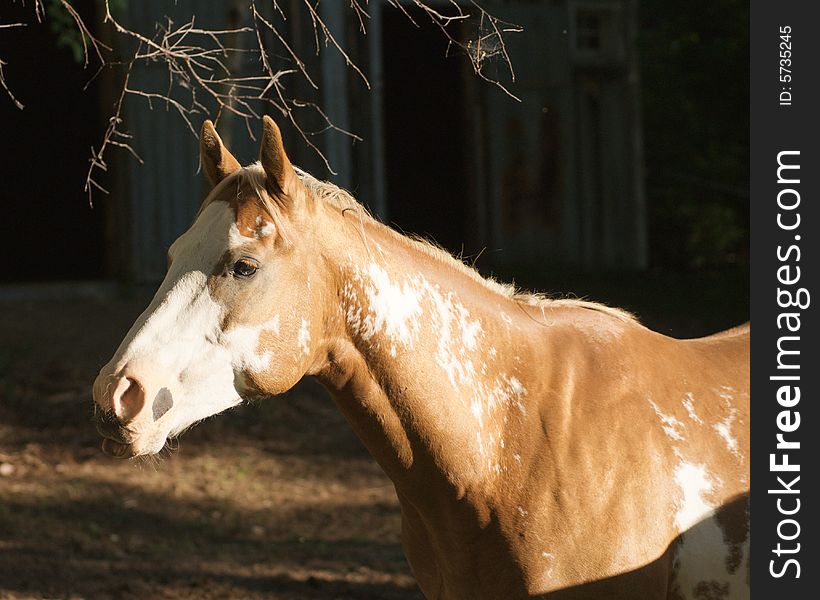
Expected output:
(427, 363)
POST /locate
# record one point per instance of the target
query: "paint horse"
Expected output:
(538, 448)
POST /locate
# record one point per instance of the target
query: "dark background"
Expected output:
(48, 232)
(694, 62)
(775, 129)
(278, 500)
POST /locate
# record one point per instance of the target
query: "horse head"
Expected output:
(236, 315)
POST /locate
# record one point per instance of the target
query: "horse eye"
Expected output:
(244, 267)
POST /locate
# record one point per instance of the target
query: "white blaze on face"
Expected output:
(177, 343)
(182, 311)
(236, 238)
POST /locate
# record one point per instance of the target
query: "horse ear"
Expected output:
(216, 160)
(274, 160)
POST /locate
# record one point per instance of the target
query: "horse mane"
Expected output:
(332, 194)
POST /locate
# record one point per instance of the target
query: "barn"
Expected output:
(552, 176)
(539, 179)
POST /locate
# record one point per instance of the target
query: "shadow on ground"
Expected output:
(100, 538)
(273, 500)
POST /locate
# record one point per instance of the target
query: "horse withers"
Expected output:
(539, 448)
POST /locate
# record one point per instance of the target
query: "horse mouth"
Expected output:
(117, 449)
(115, 442)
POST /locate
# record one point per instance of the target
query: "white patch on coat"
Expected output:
(265, 229)
(724, 430)
(672, 427)
(304, 336)
(458, 335)
(244, 343)
(262, 229)
(689, 405)
(695, 484)
(517, 392)
(389, 308)
(727, 392)
(487, 399)
(470, 329)
(550, 558)
(477, 410)
(236, 238)
(703, 556)
(389, 312)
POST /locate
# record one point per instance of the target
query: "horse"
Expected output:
(538, 447)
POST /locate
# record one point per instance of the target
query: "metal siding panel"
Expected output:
(164, 192)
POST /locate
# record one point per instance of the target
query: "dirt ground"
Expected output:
(275, 500)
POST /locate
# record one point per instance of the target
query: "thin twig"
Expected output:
(16, 102)
(200, 64)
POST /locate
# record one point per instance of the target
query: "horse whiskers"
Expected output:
(148, 460)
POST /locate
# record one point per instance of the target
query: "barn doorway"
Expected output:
(48, 231)
(424, 133)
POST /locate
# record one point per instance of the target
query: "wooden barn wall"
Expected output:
(563, 166)
(158, 199)
(556, 177)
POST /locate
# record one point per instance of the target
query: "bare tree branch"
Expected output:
(112, 137)
(203, 65)
(85, 34)
(16, 102)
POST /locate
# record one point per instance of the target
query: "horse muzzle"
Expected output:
(116, 439)
(125, 418)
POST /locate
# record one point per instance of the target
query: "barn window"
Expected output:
(588, 31)
(597, 33)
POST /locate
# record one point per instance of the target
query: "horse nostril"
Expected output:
(128, 399)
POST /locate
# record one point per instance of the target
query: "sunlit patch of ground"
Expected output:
(276, 500)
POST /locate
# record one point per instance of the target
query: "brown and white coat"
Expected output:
(538, 447)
